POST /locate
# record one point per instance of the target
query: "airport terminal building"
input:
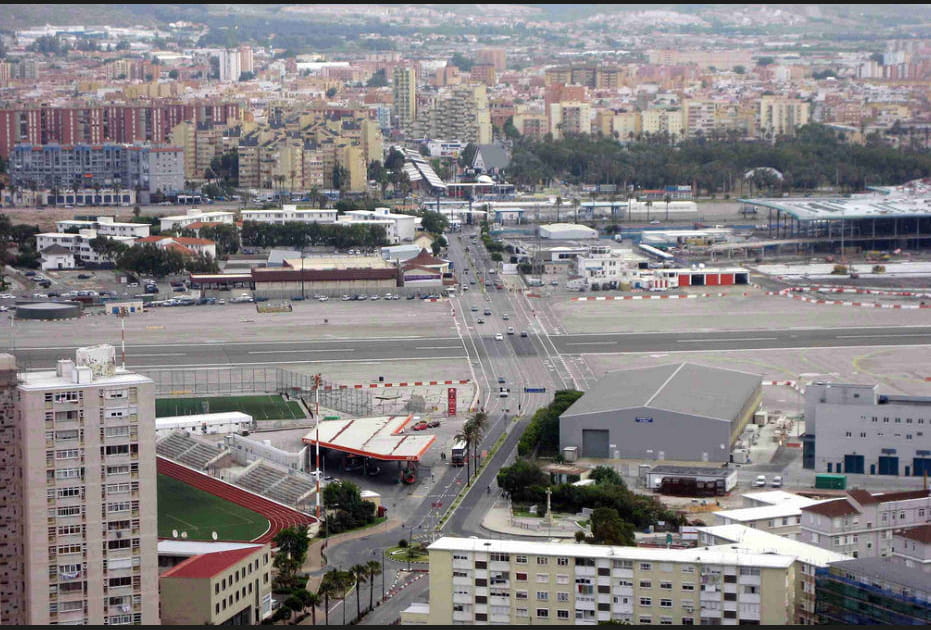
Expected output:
(678, 412)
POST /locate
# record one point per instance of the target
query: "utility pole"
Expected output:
(317, 381)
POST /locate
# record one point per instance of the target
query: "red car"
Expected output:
(420, 426)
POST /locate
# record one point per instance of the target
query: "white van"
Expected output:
(760, 481)
(776, 482)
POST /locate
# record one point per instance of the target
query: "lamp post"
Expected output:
(382, 574)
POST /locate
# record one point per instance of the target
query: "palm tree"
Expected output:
(327, 589)
(360, 575)
(374, 569)
(558, 206)
(312, 601)
(472, 432)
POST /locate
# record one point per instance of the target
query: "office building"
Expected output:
(79, 502)
(854, 429)
(873, 591)
(480, 581)
(405, 96)
(683, 412)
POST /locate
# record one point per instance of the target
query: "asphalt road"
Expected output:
(511, 348)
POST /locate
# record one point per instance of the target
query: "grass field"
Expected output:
(187, 509)
(259, 407)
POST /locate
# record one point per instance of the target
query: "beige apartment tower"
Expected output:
(79, 502)
(405, 96)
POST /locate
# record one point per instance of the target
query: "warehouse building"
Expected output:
(853, 429)
(683, 412)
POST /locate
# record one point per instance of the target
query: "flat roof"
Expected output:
(887, 570)
(777, 497)
(758, 541)
(780, 510)
(716, 472)
(865, 206)
(684, 388)
(173, 547)
(380, 437)
(338, 262)
(46, 379)
(703, 555)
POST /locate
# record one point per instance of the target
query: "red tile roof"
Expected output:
(837, 507)
(209, 564)
(921, 533)
(863, 497)
(904, 495)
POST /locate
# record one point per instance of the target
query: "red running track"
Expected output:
(279, 516)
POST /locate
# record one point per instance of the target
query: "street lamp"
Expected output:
(382, 574)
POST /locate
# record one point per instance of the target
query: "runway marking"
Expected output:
(726, 340)
(208, 366)
(591, 343)
(437, 347)
(300, 351)
(877, 336)
(163, 354)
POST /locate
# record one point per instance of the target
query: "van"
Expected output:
(776, 482)
(760, 481)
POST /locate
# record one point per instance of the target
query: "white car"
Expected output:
(499, 337)
(760, 481)
(323, 298)
(7, 296)
(776, 482)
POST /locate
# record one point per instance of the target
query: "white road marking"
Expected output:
(726, 340)
(300, 351)
(877, 336)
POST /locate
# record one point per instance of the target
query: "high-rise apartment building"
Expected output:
(230, 66)
(405, 96)
(246, 62)
(780, 116)
(79, 507)
(479, 581)
(494, 56)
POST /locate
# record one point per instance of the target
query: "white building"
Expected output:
(230, 65)
(195, 215)
(57, 257)
(782, 516)
(854, 429)
(78, 244)
(206, 423)
(567, 231)
(290, 214)
(105, 226)
(403, 227)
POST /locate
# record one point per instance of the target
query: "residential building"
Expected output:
(105, 226)
(185, 245)
(479, 581)
(782, 517)
(570, 117)
(484, 73)
(912, 547)
(494, 56)
(194, 215)
(873, 591)
(80, 505)
(863, 524)
(57, 257)
(72, 167)
(214, 584)
(405, 96)
(662, 121)
(808, 559)
(856, 430)
(290, 214)
(781, 116)
(229, 65)
(403, 227)
(461, 114)
(79, 245)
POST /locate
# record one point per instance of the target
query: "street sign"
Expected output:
(535, 390)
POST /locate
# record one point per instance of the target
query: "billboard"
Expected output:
(451, 401)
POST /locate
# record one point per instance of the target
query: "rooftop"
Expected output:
(173, 547)
(684, 388)
(210, 564)
(921, 534)
(698, 554)
(693, 471)
(833, 508)
(865, 206)
(337, 262)
(886, 570)
(758, 541)
(779, 510)
(380, 437)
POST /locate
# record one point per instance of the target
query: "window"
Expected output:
(69, 530)
(584, 562)
(543, 612)
(604, 571)
(749, 570)
(730, 579)
(645, 620)
(687, 586)
(66, 493)
(122, 431)
(562, 562)
(665, 621)
(481, 564)
(665, 603)
(122, 469)
(646, 584)
(730, 597)
(66, 549)
(73, 510)
(666, 585)
(623, 564)
(646, 601)
(688, 568)
(522, 612)
(120, 506)
(500, 557)
(562, 614)
(751, 590)
(118, 488)
(688, 621)
(68, 473)
(520, 577)
(562, 579)
(520, 559)
(646, 566)
(562, 597)
(120, 581)
(520, 595)
(542, 561)
(117, 449)
(543, 596)
(69, 453)
(543, 578)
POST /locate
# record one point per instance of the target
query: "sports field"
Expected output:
(187, 509)
(262, 407)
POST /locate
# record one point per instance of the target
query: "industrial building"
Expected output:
(873, 591)
(683, 412)
(883, 220)
(853, 429)
(699, 481)
(566, 231)
(477, 581)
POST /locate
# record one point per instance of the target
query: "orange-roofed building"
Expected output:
(215, 583)
(186, 245)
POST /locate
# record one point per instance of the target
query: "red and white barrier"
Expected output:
(328, 388)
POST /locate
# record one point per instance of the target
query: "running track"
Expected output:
(279, 516)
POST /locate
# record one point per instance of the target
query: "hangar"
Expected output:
(679, 412)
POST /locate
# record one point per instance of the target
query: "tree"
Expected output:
(433, 222)
(606, 474)
(246, 76)
(520, 478)
(378, 79)
(293, 542)
(468, 155)
(312, 601)
(739, 69)
(360, 574)
(326, 590)
(331, 92)
(472, 432)
(608, 528)
(294, 603)
(173, 74)
(374, 570)
(460, 61)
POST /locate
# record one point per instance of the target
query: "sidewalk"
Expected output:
(314, 564)
(497, 519)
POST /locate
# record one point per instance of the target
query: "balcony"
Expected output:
(465, 565)
(624, 591)
(505, 619)
(462, 598)
(500, 566)
(462, 616)
(585, 571)
(622, 573)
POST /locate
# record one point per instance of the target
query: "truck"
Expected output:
(457, 454)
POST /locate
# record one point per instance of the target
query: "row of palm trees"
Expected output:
(337, 584)
(472, 433)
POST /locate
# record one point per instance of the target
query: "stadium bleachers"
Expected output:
(182, 448)
(275, 483)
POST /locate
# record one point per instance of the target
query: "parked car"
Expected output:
(480, 321)
(760, 481)
(524, 333)
(420, 426)
(510, 330)
(433, 423)
(474, 309)
(501, 379)
(499, 337)
(242, 298)
(776, 482)
(84, 276)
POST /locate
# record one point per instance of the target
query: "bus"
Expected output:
(457, 456)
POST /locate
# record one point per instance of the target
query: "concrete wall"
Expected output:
(680, 437)
(246, 451)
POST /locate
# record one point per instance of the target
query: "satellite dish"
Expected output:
(174, 533)
(213, 535)
(184, 535)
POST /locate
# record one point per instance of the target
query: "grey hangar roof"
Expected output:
(684, 388)
(865, 206)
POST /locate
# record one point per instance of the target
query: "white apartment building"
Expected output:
(78, 244)
(861, 524)
(195, 215)
(403, 227)
(79, 504)
(779, 514)
(808, 559)
(480, 581)
(603, 265)
(105, 226)
(290, 214)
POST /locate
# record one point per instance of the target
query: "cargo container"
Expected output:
(831, 482)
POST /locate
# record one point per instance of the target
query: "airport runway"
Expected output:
(252, 353)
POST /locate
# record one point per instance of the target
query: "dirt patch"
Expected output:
(46, 218)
